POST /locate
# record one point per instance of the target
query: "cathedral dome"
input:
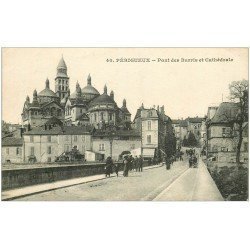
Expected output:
(90, 90)
(47, 91)
(103, 99)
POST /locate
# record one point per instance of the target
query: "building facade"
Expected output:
(12, 150)
(222, 135)
(45, 144)
(155, 127)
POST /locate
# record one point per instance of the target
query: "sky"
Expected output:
(184, 88)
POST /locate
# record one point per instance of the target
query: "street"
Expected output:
(137, 186)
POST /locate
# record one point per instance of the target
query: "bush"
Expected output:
(232, 182)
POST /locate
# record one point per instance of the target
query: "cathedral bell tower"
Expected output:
(61, 80)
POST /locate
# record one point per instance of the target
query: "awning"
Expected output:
(148, 152)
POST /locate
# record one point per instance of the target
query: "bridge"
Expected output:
(155, 183)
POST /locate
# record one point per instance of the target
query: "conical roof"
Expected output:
(62, 64)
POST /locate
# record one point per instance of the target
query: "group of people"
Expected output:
(132, 163)
(129, 163)
(193, 160)
(136, 163)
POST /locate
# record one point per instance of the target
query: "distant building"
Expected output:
(154, 127)
(12, 150)
(181, 130)
(195, 125)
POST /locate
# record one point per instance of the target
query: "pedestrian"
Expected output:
(190, 161)
(109, 165)
(168, 162)
(136, 165)
(130, 163)
(195, 161)
(116, 169)
(125, 166)
(140, 162)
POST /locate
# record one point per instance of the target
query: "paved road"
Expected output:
(138, 186)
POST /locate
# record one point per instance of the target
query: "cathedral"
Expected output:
(85, 106)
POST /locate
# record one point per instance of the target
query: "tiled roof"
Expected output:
(183, 123)
(12, 141)
(102, 99)
(195, 119)
(225, 113)
(59, 130)
(176, 121)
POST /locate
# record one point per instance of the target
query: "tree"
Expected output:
(191, 140)
(184, 142)
(170, 143)
(239, 94)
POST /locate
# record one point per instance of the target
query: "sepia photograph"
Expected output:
(125, 124)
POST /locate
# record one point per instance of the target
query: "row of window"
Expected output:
(63, 88)
(67, 148)
(216, 148)
(18, 151)
(67, 138)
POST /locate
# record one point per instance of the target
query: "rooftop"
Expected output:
(12, 141)
(60, 130)
(226, 112)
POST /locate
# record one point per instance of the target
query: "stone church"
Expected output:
(83, 107)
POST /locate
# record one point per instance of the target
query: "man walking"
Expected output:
(140, 163)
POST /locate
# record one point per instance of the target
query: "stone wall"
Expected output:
(31, 176)
(27, 176)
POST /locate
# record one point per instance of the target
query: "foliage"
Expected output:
(232, 182)
(239, 94)
(191, 140)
